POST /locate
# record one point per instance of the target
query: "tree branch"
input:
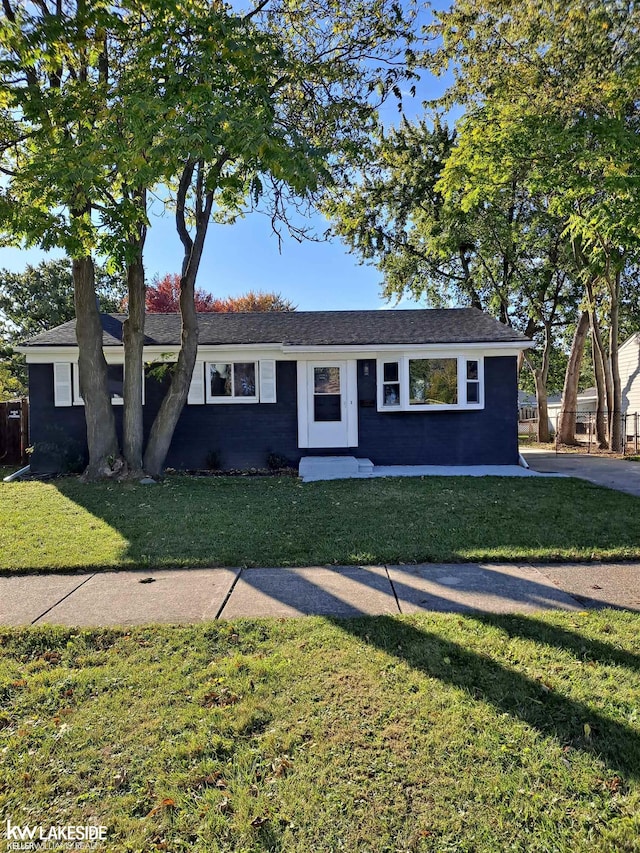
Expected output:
(255, 11)
(181, 198)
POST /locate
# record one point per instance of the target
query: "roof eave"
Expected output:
(42, 354)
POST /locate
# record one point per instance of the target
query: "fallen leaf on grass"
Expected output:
(225, 805)
(166, 803)
(120, 778)
(220, 699)
(259, 821)
(212, 779)
(281, 765)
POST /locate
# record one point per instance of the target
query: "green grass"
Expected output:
(271, 521)
(427, 733)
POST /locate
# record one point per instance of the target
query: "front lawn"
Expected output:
(279, 521)
(427, 733)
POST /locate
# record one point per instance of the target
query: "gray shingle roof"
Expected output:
(308, 328)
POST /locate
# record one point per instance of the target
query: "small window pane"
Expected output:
(244, 379)
(392, 394)
(472, 370)
(433, 381)
(473, 395)
(326, 380)
(391, 371)
(327, 407)
(220, 380)
(115, 380)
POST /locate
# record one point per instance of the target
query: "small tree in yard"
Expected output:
(101, 102)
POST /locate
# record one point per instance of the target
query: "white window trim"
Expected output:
(117, 400)
(403, 375)
(230, 401)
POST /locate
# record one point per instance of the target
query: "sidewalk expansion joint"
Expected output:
(228, 595)
(393, 589)
(64, 597)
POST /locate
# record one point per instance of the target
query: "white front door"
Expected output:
(327, 396)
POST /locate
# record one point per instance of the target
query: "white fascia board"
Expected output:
(115, 354)
(46, 355)
(221, 352)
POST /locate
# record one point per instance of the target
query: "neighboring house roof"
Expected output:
(634, 339)
(307, 328)
(588, 394)
(527, 399)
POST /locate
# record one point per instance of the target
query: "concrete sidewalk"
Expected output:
(196, 595)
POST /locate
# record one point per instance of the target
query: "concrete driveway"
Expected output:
(601, 470)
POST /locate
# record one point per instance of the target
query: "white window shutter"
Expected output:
(268, 381)
(62, 391)
(196, 389)
(77, 397)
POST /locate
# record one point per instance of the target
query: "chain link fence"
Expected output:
(585, 431)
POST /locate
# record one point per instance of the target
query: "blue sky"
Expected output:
(245, 256)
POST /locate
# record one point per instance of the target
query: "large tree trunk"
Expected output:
(530, 331)
(544, 433)
(567, 422)
(133, 338)
(601, 391)
(173, 403)
(167, 418)
(615, 411)
(102, 441)
(599, 369)
(540, 377)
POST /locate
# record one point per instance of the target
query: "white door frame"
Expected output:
(345, 433)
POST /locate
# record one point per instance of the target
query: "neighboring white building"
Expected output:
(586, 403)
(629, 365)
(629, 361)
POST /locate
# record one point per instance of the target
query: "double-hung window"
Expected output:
(228, 381)
(427, 383)
(391, 384)
(67, 390)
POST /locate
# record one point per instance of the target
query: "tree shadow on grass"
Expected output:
(277, 521)
(541, 632)
(616, 743)
(485, 678)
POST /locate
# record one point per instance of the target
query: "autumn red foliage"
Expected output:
(163, 297)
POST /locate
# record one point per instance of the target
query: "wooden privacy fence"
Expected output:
(14, 432)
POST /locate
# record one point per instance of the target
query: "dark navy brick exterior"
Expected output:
(63, 426)
(486, 436)
(242, 435)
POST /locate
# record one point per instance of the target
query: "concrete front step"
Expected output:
(333, 467)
